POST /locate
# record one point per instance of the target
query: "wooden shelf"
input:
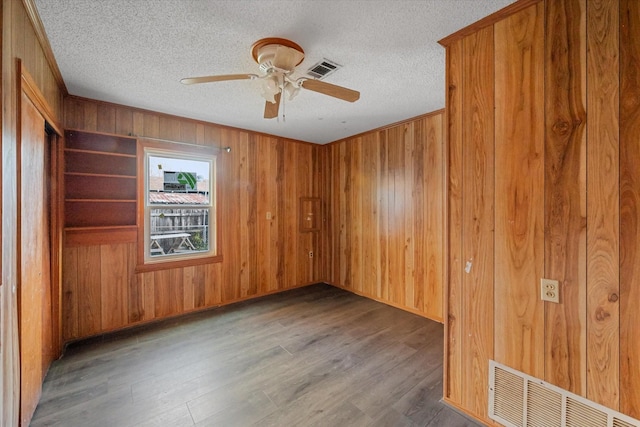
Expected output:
(99, 163)
(105, 175)
(101, 153)
(99, 187)
(97, 142)
(100, 200)
(85, 236)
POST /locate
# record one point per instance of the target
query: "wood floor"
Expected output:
(315, 356)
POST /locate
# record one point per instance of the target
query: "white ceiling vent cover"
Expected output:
(323, 69)
(519, 400)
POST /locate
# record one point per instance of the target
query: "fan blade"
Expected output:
(271, 109)
(331, 90)
(287, 58)
(221, 78)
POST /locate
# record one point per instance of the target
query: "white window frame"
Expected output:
(147, 261)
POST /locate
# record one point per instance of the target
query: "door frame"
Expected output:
(28, 87)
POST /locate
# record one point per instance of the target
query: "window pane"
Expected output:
(174, 231)
(178, 181)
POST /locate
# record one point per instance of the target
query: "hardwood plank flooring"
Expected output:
(315, 356)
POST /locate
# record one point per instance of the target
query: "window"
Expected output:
(178, 199)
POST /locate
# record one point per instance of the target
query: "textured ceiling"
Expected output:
(134, 52)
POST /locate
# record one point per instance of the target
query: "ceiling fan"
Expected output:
(278, 59)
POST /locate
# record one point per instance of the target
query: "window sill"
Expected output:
(166, 265)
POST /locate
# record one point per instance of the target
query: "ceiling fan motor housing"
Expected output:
(281, 54)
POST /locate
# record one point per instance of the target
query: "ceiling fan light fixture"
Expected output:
(291, 90)
(270, 87)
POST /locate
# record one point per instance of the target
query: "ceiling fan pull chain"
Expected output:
(284, 101)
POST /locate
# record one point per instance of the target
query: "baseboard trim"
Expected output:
(389, 303)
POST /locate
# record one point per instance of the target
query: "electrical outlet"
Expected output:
(550, 290)
(269, 215)
(310, 254)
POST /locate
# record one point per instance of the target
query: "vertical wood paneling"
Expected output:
(603, 282)
(477, 217)
(396, 254)
(231, 184)
(421, 166)
(344, 197)
(252, 218)
(408, 207)
(9, 351)
(387, 193)
(136, 287)
(114, 280)
(199, 286)
(281, 211)
(302, 170)
(629, 207)
(454, 320)
(520, 183)
(168, 292)
(263, 205)
(106, 118)
(188, 290)
(70, 294)
(89, 291)
(370, 208)
(276, 255)
(91, 116)
(565, 193)
(244, 193)
(384, 194)
(213, 281)
(433, 183)
(587, 168)
(290, 221)
(124, 121)
(149, 299)
(354, 199)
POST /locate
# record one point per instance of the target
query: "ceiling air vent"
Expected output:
(323, 68)
(519, 400)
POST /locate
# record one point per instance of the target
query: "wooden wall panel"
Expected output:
(422, 267)
(89, 291)
(261, 174)
(567, 153)
(371, 277)
(520, 183)
(386, 196)
(454, 316)
(114, 289)
(478, 217)
(70, 294)
(565, 193)
(409, 236)
(629, 207)
(430, 185)
(603, 215)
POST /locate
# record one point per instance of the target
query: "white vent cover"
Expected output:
(519, 400)
(323, 68)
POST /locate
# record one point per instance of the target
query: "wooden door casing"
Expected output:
(35, 297)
